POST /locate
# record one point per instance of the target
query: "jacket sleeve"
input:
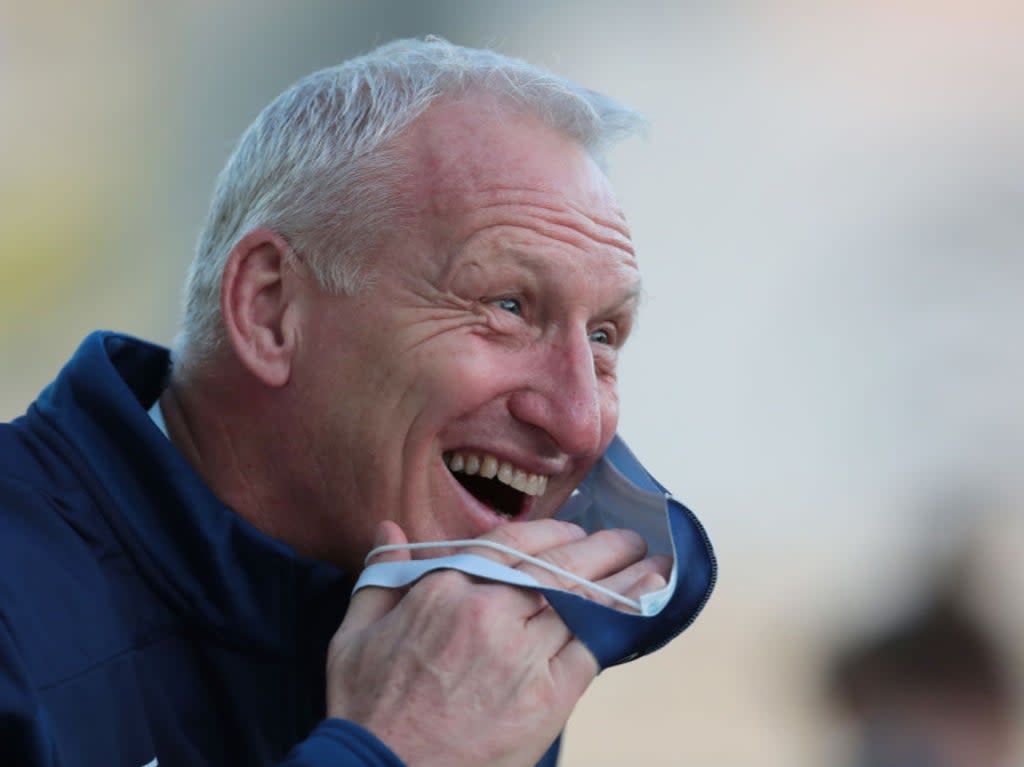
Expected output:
(24, 730)
(340, 743)
(26, 739)
(345, 744)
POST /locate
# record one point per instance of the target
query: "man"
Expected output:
(402, 324)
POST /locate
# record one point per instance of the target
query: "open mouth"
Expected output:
(504, 488)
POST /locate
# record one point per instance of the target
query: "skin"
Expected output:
(439, 355)
(493, 325)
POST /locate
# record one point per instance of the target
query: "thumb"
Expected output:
(372, 603)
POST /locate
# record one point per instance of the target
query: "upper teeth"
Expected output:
(491, 468)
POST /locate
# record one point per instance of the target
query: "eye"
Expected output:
(511, 305)
(601, 336)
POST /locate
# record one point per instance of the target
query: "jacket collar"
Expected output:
(203, 559)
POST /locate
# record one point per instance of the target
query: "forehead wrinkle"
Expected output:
(522, 255)
(537, 205)
(531, 226)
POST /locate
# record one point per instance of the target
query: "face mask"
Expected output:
(617, 493)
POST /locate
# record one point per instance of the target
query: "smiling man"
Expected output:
(402, 326)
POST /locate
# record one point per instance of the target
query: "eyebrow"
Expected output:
(630, 299)
(635, 292)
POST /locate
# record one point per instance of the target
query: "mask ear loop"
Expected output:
(608, 593)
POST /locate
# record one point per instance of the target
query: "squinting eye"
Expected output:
(600, 337)
(509, 305)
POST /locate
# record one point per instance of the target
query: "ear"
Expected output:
(257, 302)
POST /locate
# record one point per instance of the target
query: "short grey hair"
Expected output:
(316, 166)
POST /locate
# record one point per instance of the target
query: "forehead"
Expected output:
(484, 171)
(478, 150)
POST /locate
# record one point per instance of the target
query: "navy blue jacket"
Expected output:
(142, 622)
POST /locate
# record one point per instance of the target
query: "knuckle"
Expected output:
(651, 582)
(477, 605)
(571, 530)
(481, 616)
(628, 542)
(566, 559)
(439, 586)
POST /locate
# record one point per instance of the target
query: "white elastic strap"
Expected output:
(512, 552)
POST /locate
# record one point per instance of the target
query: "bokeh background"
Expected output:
(829, 210)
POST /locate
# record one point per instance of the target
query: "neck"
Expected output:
(226, 428)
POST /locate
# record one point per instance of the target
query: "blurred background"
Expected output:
(829, 209)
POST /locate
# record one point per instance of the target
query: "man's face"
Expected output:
(475, 381)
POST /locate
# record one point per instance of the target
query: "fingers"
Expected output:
(617, 554)
(531, 538)
(646, 585)
(597, 556)
(612, 558)
(572, 664)
(566, 546)
(370, 604)
(641, 577)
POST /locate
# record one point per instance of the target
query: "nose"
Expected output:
(563, 396)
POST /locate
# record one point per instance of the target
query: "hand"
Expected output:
(458, 672)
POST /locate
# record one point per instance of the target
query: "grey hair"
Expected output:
(316, 165)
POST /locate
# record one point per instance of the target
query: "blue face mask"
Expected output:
(617, 493)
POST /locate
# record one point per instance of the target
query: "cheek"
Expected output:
(459, 381)
(609, 411)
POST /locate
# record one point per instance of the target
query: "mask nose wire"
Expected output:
(555, 569)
